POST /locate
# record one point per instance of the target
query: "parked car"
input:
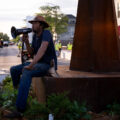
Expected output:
(5, 43)
(11, 43)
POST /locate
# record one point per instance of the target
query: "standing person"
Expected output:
(60, 47)
(43, 51)
(19, 48)
(57, 48)
(69, 46)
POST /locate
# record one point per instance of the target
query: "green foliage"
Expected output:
(1, 35)
(16, 40)
(7, 80)
(63, 109)
(36, 111)
(80, 110)
(60, 106)
(4, 37)
(8, 94)
(58, 21)
(113, 109)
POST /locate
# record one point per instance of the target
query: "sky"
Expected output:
(13, 12)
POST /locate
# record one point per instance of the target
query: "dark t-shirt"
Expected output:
(50, 52)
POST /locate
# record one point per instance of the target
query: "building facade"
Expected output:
(68, 36)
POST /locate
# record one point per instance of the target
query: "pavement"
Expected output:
(8, 58)
(63, 62)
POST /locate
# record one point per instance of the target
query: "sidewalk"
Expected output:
(62, 61)
(66, 54)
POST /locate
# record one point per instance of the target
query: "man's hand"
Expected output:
(26, 40)
(29, 67)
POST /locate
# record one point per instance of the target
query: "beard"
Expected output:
(35, 31)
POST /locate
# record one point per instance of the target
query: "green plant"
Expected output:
(63, 109)
(113, 109)
(80, 111)
(7, 80)
(58, 21)
(36, 111)
(60, 106)
(8, 94)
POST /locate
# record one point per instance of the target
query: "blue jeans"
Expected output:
(24, 79)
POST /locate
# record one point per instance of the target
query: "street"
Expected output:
(8, 58)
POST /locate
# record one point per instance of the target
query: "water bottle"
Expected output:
(51, 117)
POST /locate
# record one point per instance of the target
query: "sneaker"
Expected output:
(13, 114)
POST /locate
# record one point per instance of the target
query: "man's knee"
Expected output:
(16, 69)
(12, 69)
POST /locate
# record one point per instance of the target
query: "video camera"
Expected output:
(15, 32)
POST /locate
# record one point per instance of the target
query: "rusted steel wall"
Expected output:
(95, 46)
(98, 92)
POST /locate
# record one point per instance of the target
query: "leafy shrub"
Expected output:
(113, 109)
(60, 106)
(36, 111)
(8, 94)
(7, 80)
(63, 109)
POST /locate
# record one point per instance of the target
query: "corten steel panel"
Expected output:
(97, 92)
(95, 46)
(83, 90)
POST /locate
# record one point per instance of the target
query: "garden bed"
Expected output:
(59, 105)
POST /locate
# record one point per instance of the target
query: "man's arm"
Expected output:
(25, 39)
(39, 54)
